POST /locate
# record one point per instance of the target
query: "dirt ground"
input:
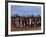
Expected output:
(13, 28)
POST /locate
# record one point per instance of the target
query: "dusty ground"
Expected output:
(24, 29)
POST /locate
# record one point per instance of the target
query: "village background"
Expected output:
(2, 19)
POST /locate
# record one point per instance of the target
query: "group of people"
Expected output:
(26, 22)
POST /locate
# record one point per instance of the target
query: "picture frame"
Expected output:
(25, 4)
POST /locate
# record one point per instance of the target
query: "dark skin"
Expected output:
(33, 25)
(26, 22)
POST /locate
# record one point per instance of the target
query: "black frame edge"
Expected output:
(6, 18)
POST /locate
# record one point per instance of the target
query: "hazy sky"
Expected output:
(25, 10)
